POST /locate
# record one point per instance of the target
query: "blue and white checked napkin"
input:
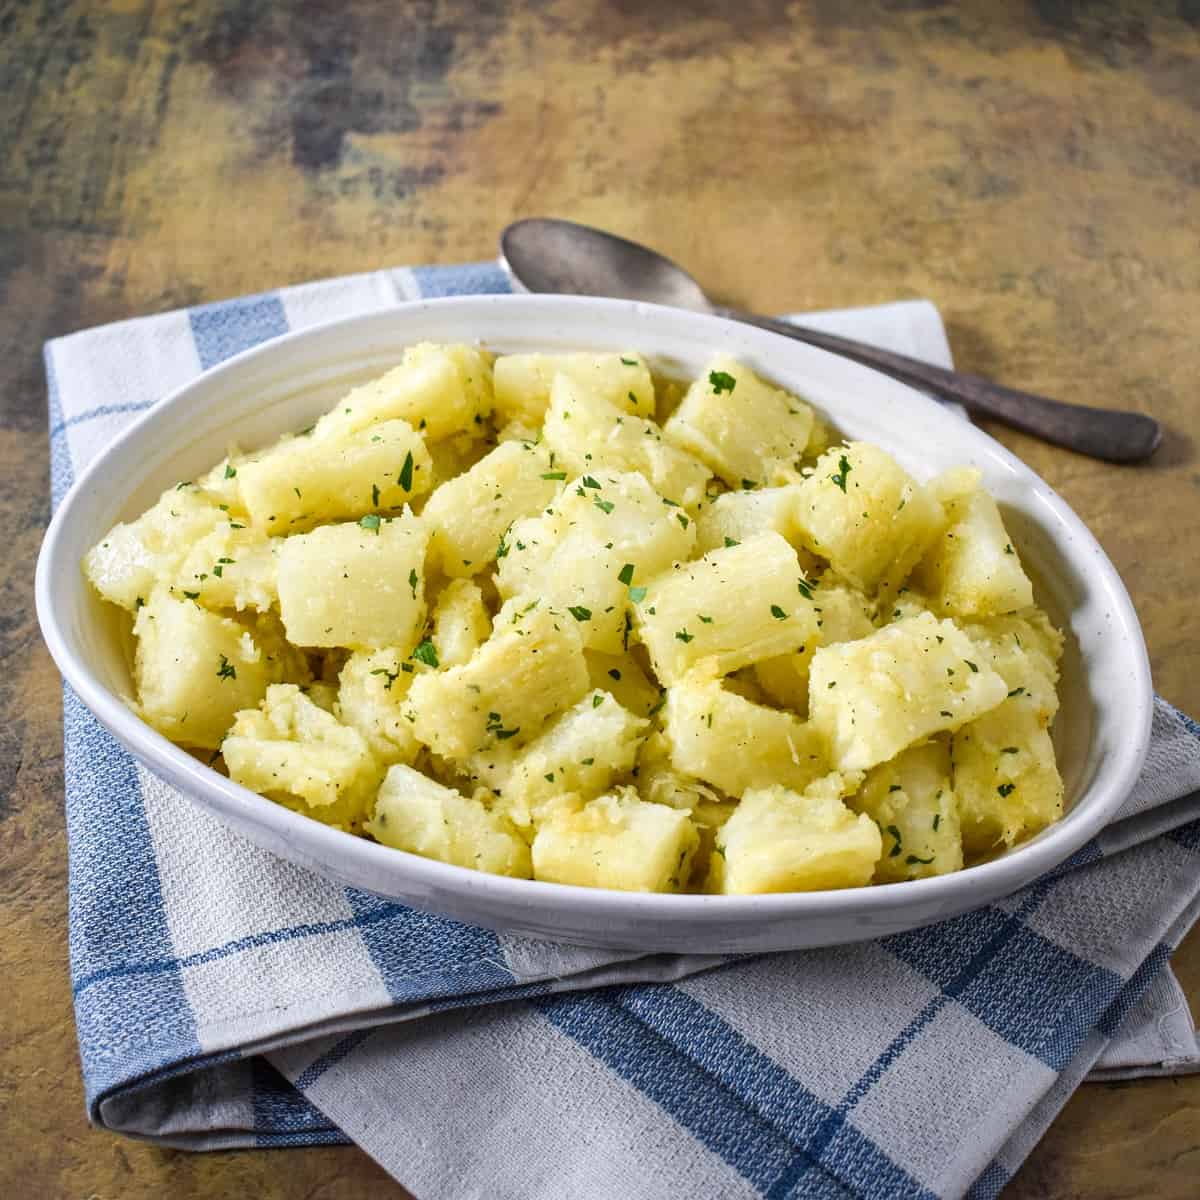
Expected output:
(226, 998)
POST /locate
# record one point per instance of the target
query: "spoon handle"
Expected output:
(1110, 434)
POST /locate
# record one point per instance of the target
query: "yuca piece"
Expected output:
(522, 382)
(783, 841)
(733, 607)
(865, 514)
(467, 516)
(908, 681)
(292, 750)
(415, 813)
(617, 841)
(743, 429)
(735, 744)
(360, 585)
(512, 683)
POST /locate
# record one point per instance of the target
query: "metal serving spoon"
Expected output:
(547, 255)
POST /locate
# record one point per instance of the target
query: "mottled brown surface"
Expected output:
(1033, 168)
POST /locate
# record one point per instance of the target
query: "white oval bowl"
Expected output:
(1101, 733)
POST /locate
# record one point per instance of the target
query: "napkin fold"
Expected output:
(224, 997)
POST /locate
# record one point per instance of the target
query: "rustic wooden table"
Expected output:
(1031, 168)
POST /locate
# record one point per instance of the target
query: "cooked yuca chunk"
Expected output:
(359, 585)
(780, 840)
(972, 569)
(730, 608)
(195, 669)
(738, 516)
(371, 694)
(617, 841)
(231, 568)
(132, 558)
(743, 429)
(417, 814)
(520, 676)
(438, 390)
(874, 697)
(314, 479)
(467, 516)
(522, 382)
(621, 675)
(580, 752)
(1006, 781)
(293, 750)
(605, 535)
(865, 514)
(587, 432)
(843, 615)
(460, 622)
(911, 799)
(1005, 776)
(735, 744)
(1024, 650)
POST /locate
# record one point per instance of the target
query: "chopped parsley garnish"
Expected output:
(180, 486)
(502, 546)
(605, 506)
(944, 713)
(504, 734)
(371, 522)
(704, 620)
(587, 762)
(662, 699)
(1008, 548)
(425, 653)
(588, 481)
(1020, 691)
(614, 673)
(597, 699)
(937, 820)
(628, 619)
(629, 362)
(1006, 789)
(683, 521)
(555, 475)
(721, 381)
(896, 835)
(413, 580)
(1010, 750)
(748, 485)
(843, 470)
(804, 588)
(374, 495)
(731, 541)
(192, 595)
(406, 473)
(894, 788)
(682, 635)
(625, 574)
(391, 677)
(974, 668)
(549, 778)
(637, 595)
(913, 859)
(230, 472)
(778, 613)
(226, 670)
(579, 612)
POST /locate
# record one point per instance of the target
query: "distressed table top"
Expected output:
(1032, 168)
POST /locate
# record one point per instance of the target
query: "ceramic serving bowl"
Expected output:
(1101, 733)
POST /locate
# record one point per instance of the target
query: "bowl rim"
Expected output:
(324, 845)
